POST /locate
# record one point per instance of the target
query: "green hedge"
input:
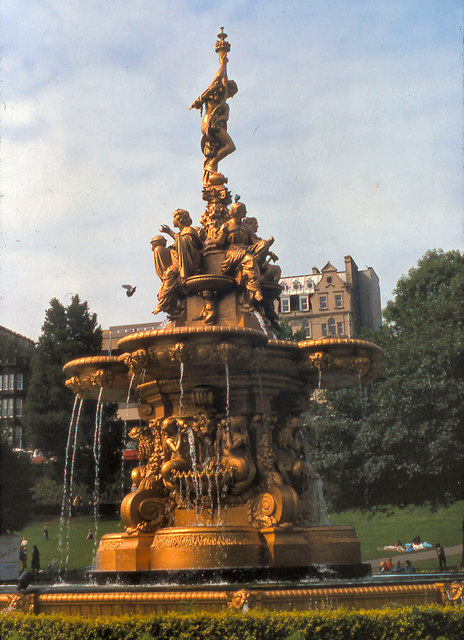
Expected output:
(408, 623)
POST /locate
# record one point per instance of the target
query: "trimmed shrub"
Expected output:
(408, 623)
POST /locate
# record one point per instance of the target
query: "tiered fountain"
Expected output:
(224, 489)
(223, 484)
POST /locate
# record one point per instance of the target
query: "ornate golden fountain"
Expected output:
(223, 489)
(223, 484)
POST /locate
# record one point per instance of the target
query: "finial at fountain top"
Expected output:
(221, 42)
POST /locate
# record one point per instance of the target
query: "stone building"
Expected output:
(16, 353)
(332, 303)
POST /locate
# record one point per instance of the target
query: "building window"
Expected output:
(323, 303)
(5, 381)
(10, 408)
(19, 407)
(4, 408)
(307, 328)
(331, 325)
(19, 381)
(285, 305)
(340, 328)
(338, 300)
(324, 328)
(11, 382)
(296, 285)
(304, 303)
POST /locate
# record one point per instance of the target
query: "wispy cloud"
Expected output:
(347, 125)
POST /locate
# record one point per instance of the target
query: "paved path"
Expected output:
(416, 556)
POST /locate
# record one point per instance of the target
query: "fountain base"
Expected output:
(228, 549)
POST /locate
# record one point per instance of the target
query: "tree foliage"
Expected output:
(15, 489)
(402, 441)
(67, 333)
(287, 333)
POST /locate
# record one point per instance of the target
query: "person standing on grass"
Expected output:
(90, 535)
(35, 559)
(23, 557)
(441, 556)
(45, 533)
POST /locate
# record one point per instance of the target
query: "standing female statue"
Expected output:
(216, 143)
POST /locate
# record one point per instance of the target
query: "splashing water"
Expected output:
(96, 457)
(181, 385)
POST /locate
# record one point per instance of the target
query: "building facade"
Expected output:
(112, 335)
(330, 302)
(16, 353)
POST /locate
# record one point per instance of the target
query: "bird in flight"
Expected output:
(130, 290)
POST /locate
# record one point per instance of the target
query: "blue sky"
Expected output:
(348, 127)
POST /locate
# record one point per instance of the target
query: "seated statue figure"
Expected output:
(176, 263)
(187, 244)
(240, 261)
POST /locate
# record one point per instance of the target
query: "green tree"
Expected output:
(287, 333)
(15, 489)
(67, 333)
(403, 440)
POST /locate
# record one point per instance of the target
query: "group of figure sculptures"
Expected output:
(247, 258)
(202, 461)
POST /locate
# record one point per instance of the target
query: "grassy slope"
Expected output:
(443, 525)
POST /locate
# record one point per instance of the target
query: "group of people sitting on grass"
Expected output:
(416, 544)
(386, 566)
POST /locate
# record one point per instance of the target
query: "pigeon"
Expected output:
(130, 289)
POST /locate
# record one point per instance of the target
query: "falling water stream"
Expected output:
(181, 387)
(319, 505)
(68, 479)
(226, 367)
(97, 457)
(259, 317)
(124, 435)
(65, 477)
(260, 382)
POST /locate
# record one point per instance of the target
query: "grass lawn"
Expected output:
(80, 550)
(443, 525)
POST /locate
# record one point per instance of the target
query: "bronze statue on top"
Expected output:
(216, 143)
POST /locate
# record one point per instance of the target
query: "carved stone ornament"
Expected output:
(243, 600)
